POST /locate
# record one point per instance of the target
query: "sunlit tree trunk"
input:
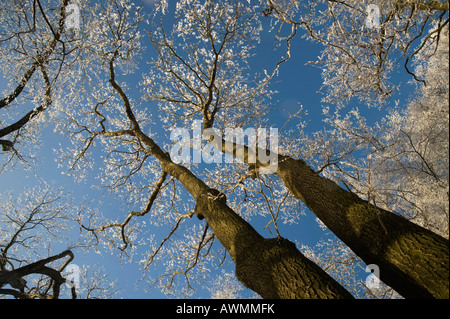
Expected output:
(412, 260)
(273, 268)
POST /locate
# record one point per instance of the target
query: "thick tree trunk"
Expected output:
(274, 268)
(412, 260)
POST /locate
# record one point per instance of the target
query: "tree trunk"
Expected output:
(412, 260)
(273, 268)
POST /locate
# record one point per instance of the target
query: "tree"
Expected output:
(15, 279)
(378, 236)
(339, 261)
(200, 73)
(363, 41)
(34, 53)
(33, 226)
(345, 80)
(189, 90)
(406, 170)
(404, 167)
(226, 287)
(281, 270)
(25, 225)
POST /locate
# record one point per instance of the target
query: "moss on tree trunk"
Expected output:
(274, 268)
(412, 260)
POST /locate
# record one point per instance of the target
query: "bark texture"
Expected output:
(274, 268)
(412, 260)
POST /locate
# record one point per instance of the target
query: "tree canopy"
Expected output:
(117, 79)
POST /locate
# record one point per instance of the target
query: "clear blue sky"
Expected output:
(296, 83)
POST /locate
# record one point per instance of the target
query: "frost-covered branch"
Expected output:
(359, 53)
(41, 41)
(123, 225)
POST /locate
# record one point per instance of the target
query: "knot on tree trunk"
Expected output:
(205, 197)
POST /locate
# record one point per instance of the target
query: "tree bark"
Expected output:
(273, 268)
(412, 260)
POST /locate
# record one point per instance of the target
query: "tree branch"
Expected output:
(15, 277)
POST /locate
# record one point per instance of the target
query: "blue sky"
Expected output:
(296, 83)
